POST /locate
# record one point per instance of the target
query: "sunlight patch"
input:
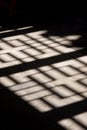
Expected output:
(41, 105)
(82, 118)
(70, 124)
(73, 37)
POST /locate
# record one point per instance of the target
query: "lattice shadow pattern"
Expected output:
(48, 75)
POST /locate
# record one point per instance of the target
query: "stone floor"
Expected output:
(44, 77)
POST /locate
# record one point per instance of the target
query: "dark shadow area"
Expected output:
(47, 12)
(82, 42)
